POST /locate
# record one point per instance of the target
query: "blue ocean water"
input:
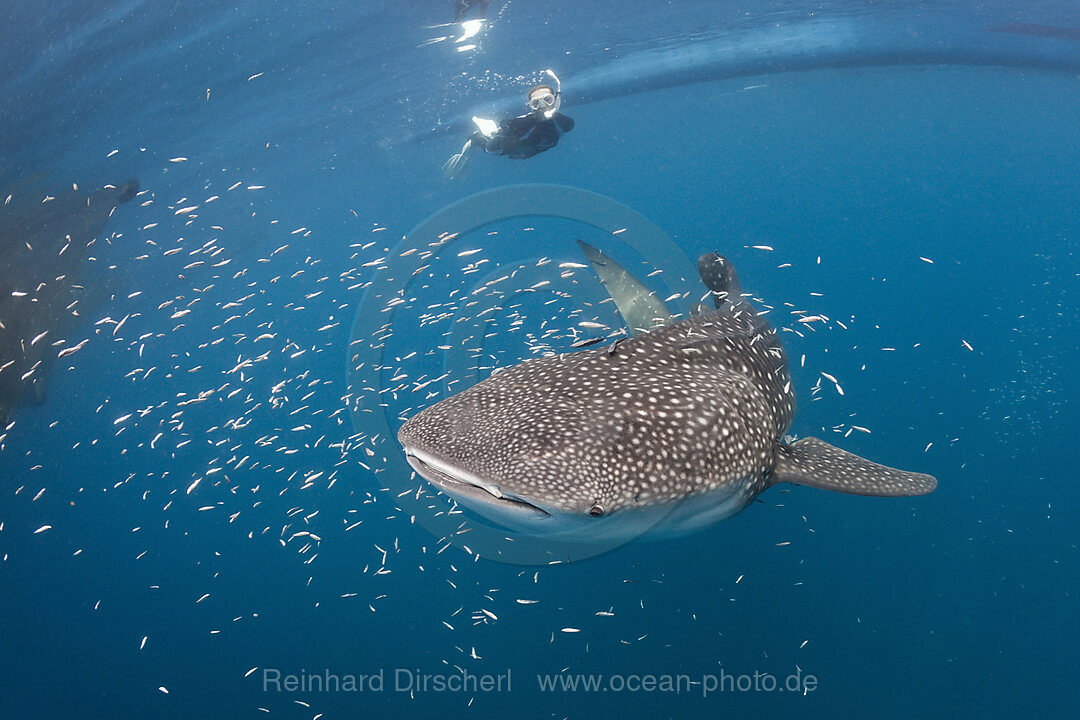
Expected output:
(215, 514)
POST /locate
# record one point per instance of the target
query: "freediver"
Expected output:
(519, 137)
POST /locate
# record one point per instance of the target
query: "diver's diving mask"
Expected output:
(543, 99)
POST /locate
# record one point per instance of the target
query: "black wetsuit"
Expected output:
(525, 135)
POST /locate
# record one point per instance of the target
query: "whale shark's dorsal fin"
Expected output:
(816, 463)
(720, 277)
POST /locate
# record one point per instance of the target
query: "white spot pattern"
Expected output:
(690, 408)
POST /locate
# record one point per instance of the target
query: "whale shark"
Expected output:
(44, 295)
(655, 435)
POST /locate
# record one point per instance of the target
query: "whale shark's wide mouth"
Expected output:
(484, 497)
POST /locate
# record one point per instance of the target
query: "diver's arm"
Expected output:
(518, 126)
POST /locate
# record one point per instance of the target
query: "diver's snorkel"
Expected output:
(558, 94)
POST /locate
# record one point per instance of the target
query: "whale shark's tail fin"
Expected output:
(816, 463)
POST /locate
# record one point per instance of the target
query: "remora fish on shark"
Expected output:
(655, 435)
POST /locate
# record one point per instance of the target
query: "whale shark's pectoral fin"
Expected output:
(127, 191)
(816, 463)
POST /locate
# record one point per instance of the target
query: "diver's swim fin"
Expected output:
(454, 168)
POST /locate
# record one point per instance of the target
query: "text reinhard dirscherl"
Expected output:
(416, 681)
(400, 680)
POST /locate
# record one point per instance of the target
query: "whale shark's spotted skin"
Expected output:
(661, 433)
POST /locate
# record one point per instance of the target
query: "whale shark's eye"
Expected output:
(597, 510)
